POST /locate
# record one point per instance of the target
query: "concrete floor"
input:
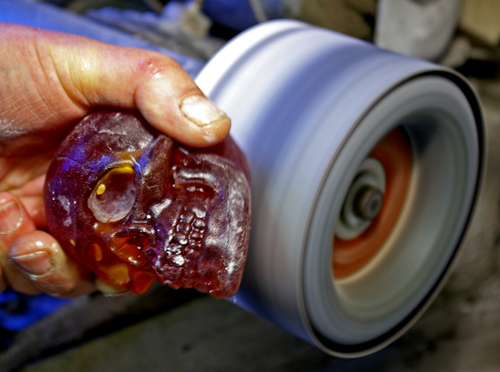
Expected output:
(185, 332)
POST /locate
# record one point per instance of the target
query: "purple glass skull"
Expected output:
(133, 205)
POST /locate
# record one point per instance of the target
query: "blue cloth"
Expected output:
(52, 18)
(234, 14)
(18, 311)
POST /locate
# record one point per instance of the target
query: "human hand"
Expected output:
(48, 81)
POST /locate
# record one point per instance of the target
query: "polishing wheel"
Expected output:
(365, 171)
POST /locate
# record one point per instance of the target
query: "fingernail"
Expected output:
(10, 217)
(200, 110)
(36, 263)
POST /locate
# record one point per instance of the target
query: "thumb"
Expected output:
(69, 75)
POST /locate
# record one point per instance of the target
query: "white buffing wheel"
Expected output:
(309, 106)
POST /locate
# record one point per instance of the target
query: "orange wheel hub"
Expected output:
(394, 153)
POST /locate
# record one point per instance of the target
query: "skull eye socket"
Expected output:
(114, 195)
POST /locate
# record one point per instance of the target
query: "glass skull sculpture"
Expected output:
(133, 205)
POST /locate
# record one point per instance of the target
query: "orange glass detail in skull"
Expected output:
(133, 206)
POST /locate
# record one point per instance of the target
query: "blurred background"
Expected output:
(165, 330)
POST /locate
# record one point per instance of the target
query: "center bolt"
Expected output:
(368, 202)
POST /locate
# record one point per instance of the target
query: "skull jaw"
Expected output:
(207, 249)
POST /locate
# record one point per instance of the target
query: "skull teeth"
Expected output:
(199, 210)
(183, 227)
(187, 217)
(182, 252)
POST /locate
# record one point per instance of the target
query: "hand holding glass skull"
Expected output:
(133, 205)
(48, 82)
